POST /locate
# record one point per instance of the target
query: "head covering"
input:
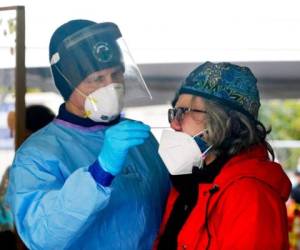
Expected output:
(93, 51)
(37, 117)
(226, 83)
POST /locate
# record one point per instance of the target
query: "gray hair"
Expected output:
(230, 131)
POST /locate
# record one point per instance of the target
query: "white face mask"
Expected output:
(180, 152)
(106, 103)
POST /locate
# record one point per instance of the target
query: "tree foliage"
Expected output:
(8, 30)
(283, 116)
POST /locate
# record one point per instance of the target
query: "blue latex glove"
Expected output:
(117, 141)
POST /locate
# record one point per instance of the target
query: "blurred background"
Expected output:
(167, 39)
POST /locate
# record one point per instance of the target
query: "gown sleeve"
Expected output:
(50, 212)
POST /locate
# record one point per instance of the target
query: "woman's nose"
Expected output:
(175, 125)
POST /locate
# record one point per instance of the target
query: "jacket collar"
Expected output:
(255, 163)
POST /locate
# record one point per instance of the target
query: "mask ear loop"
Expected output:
(90, 98)
(200, 133)
(204, 154)
(55, 58)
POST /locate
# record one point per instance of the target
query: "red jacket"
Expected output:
(244, 208)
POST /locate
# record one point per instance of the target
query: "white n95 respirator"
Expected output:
(181, 152)
(106, 103)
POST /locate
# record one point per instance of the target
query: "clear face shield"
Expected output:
(96, 63)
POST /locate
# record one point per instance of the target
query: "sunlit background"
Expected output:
(176, 31)
(167, 38)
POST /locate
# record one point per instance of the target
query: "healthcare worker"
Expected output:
(90, 179)
(37, 116)
(228, 193)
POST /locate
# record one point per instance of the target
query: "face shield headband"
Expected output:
(96, 48)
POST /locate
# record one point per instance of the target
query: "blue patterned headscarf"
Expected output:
(226, 83)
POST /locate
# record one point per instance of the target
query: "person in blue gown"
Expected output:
(91, 179)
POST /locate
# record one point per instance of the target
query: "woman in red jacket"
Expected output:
(227, 193)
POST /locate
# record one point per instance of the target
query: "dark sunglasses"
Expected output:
(178, 113)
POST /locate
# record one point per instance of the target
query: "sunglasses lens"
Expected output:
(171, 115)
(175, 113)
(178, 114)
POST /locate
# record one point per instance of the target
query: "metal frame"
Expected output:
(20, 73)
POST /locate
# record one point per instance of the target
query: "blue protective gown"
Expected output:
(58, 205)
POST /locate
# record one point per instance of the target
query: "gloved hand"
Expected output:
(117, 141)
